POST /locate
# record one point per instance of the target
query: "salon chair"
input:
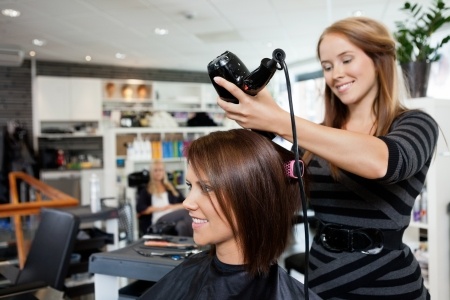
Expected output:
(138, 180)
(297, 261)
(48, 259)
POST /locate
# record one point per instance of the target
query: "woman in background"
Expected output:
(243, 203)
(161, 203)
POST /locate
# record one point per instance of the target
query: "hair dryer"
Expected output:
(230, 67)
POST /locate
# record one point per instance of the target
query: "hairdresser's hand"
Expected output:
(254, 112)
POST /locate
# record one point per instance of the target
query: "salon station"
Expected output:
(102, 101)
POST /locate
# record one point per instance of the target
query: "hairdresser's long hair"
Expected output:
(259, 201)
(376, 41)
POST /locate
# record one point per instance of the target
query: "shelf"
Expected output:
(90, 240)
(76, 288)
(144, 130)
(438, 189)
(167, 160)
(419, 225)
(159, 96)
(127, 89)
(179, 99)
(127, 101)
(127, 105)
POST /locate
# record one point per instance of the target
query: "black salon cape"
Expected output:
(204, 277)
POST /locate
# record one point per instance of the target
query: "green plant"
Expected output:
(413, 34)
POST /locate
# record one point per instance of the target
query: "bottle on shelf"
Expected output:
(94, 183)
(417, 208)
(424, 206)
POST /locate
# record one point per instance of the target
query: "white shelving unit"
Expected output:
(113, 177)
(438, 188)
(68, 98)
(166, 96)
(66, 101)
(112, 174)
(419, 225)
(59, 101)
(72, 99)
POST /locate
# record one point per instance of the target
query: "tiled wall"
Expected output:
(101, 71)
(15, 95)
(15, 83)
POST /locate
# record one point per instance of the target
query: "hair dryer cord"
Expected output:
(280, 56)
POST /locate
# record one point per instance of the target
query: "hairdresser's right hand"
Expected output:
(259, 112)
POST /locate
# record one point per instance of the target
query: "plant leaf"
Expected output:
(413, 34)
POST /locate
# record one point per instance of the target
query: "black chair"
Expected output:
(126, 226)
(297, 261)
(138, 179)
(48, 259)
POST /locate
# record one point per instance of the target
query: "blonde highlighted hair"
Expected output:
(152, 183)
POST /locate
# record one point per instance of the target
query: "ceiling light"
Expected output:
(358, 13)
(32, 53)
(11, 12)
(39, 42)
(88, 58)
(120, 55)
(161, 31)
(189, 14)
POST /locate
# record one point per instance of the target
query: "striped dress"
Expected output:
(386, 204)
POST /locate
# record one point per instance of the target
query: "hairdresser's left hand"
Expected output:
(254, 112)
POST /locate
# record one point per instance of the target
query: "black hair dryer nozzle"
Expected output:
(230, 67)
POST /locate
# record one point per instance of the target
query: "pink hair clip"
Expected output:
(290, 171)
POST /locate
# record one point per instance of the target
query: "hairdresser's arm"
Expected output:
(361, 154)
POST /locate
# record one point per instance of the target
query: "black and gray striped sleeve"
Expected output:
(411, 144)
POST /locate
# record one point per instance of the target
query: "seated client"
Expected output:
(242, 203)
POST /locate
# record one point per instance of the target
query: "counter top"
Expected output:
(69, 135)
(86, 215)
(127, 262)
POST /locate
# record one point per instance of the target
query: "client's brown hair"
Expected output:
(246, 172)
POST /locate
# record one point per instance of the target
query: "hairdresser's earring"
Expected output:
(291, 171)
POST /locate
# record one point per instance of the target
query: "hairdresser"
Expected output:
(367, 162)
